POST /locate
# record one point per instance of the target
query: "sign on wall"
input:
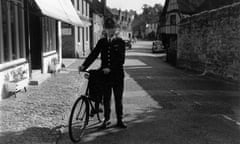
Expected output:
(67, 31)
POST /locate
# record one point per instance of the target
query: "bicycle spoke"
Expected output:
(80, 109)
(78, 119)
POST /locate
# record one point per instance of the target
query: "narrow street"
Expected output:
(162, 105)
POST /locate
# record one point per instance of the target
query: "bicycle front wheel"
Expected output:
(78, 119)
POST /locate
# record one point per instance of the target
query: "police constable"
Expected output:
(112, 50)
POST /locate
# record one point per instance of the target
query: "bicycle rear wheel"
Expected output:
(78, 118)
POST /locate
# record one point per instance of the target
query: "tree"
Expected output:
(148, 15)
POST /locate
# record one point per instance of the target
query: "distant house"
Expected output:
(124, 21)
(98, 13)
(151, 30)
(176, 10)
(76, 39)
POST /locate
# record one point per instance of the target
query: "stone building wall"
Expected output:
(209, 42)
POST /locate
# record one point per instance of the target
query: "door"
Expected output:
(35, 41)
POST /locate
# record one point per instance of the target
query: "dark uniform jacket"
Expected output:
(112, 54)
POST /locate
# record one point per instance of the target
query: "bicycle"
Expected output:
(82, 110)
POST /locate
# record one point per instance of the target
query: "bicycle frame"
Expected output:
(86, 95)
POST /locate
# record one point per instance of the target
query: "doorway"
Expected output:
(35, 41)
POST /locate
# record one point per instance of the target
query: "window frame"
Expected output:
(13, 42)
(87, 33)
(22, 33)
(82, 7)
(79, 34)
(16, 29)
(49, 35)
(1, 35)
(173, 19)
(87, 7)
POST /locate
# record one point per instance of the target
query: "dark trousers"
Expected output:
(114, 83)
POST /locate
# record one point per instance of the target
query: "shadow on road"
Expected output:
(34, 135)
(164, 105)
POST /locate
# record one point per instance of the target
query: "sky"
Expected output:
(132, 4)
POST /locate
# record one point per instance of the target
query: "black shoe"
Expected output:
(121, 125)
(105, 124)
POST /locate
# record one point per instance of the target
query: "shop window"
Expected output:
(12, 30)
(49, 34)
(5, 15)
(21, 33)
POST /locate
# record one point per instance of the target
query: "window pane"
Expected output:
(79, 34)
(173, 19)
(1, 34)
(54, 35)
(78, 8)
(86, 8)
(86, 33)
(50, 34)
(5, 30)
(13, 31)
(47, 35)
(21, 31)
(82, 7)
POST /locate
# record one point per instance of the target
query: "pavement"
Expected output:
(162, 105)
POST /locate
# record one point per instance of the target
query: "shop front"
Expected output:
(30, 39)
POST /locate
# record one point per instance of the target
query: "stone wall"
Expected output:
(209, 42)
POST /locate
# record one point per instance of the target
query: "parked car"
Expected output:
(157, 46)
(128, 44)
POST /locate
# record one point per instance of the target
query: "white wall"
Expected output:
(11, 74)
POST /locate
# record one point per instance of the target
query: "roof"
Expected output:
(98, 7)
(196, 6)
(213, 4)
(191, 7)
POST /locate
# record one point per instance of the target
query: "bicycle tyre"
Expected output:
(78, 119)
